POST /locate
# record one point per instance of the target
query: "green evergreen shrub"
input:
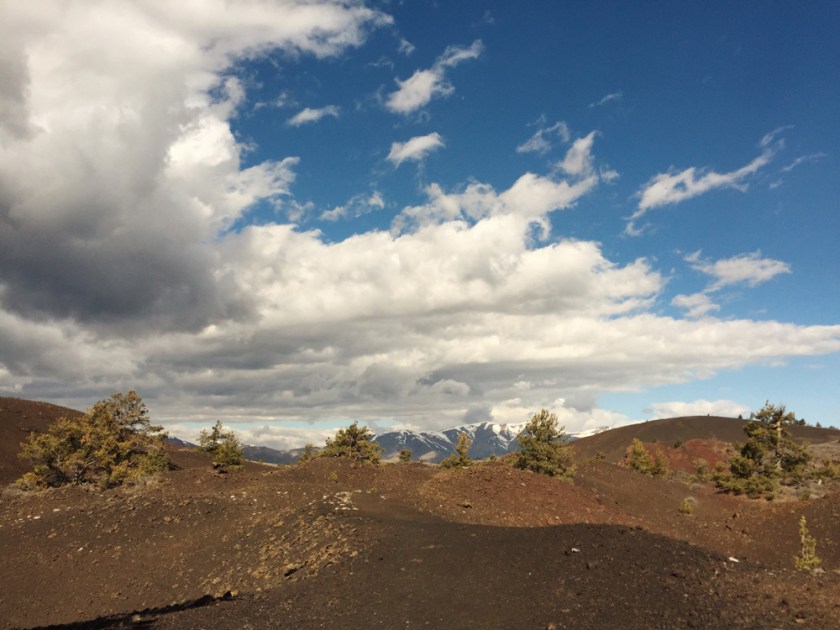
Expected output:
(638, 458)
(226, 449)
(460, 458)
(701, 471)
(355, 443)
(544, 447)
(807, 559)
(111, 444)
(768, 457)
(308, 454)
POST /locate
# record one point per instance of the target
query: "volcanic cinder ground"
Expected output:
(338, 545)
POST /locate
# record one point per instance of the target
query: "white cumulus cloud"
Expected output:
(415, 149)
(406, 47)
(121, 180)
(724, 408)
(696, 304)
(609, 98)
(578, 160)
(749, 269)
(531, 198)
(424, 85)
(356, 206)
(670, 188)
(311, 115)
(541, 141)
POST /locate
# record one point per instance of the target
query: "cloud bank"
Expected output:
(125, 263)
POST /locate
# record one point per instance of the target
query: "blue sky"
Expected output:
(291, 215)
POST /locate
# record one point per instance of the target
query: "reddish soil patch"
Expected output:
(685, 456)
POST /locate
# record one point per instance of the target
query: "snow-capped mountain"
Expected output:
(487, 439)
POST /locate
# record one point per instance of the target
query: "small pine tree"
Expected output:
(544, 447)
(807, 558)
(768, 457)
(701, 471)
(459, 459)
(112, 443)
(354, 442)
(308, 453)
(226, 449)
(660, 465)
(405, 455)
(638, 458)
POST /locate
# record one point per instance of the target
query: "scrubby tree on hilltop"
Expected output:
(354, 442)
(460, 458)
(308, 453)
(639, 458)
(224, 446)
(544, 447)
(768, 457)
(114, 442)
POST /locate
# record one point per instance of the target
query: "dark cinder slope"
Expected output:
(613, 443)
(19, 418)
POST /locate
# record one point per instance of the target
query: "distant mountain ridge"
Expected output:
(432, 446)
(487, 439)
(252, 452)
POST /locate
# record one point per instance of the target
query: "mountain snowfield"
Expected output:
(487, 439)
